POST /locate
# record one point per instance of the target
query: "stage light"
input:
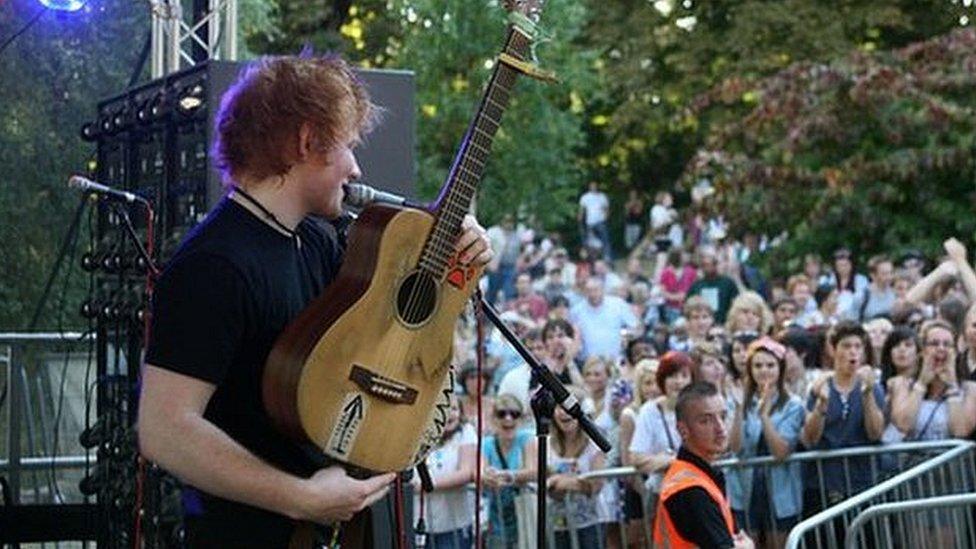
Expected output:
(63, 5)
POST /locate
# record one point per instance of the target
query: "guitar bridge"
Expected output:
(382, 387)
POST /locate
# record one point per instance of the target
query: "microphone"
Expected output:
(359, 195)
(87, 185)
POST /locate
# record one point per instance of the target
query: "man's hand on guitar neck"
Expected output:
(331, 495)
(473, 244)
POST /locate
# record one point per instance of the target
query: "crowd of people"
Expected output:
(823, 359)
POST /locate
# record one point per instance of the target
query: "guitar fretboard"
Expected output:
(469, 163)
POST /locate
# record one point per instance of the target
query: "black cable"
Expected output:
(69, 238)
(62, 300)
(23, 29)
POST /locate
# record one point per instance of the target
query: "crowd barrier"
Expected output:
(949, 472)
(943, 521)
(896, 472)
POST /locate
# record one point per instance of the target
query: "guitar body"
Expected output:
(373, 353)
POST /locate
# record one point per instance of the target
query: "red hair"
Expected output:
(256, 129)
(671, 363)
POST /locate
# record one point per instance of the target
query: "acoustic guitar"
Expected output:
(364, 372)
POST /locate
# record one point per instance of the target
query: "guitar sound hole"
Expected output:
(417, 299)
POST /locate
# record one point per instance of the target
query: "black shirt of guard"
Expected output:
(695, 514)
(223, 299)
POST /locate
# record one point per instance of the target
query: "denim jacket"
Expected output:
(786, 483)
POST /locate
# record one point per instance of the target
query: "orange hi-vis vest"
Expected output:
(682, 475)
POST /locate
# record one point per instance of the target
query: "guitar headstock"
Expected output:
(529, 8)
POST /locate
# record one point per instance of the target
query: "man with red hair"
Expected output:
(285, 135)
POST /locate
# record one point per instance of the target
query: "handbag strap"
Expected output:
(667, 430)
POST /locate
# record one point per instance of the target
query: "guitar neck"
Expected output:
(462, 182)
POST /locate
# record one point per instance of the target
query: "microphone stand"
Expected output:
(551, 392)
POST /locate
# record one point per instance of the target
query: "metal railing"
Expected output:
(924, 522)
(949, 472)
(32, 410)
(949, 459)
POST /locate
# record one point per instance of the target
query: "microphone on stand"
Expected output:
(359, 195)
(89, 186)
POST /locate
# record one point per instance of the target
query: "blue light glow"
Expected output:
(63, 5)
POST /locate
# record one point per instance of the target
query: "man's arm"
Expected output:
(174, 434)
(698, 519)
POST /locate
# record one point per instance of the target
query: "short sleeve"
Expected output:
(198, 318)
(643, 433)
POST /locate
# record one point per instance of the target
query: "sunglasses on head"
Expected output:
(502, 414)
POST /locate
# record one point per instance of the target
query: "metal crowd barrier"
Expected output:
(934, 468)
(32, 405)
(923, 523)
(949, 472)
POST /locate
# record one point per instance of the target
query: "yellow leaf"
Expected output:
(429, 110)
(575, 103)
(599, 120)
(459, 83)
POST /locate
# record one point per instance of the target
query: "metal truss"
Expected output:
(180, 42)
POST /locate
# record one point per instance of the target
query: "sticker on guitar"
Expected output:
(458, 274)
(346, 429)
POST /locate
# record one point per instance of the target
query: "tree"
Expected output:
(659, 58)
(54, 75)
(451, 46)
(874, 150)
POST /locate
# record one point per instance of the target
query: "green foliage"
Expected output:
(875, 151)
(451, 45)
(54, 74)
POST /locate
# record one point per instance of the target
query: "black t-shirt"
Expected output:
(231, 288)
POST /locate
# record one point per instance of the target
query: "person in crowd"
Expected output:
(598, 371)
(736, 360)
(601, 319)
(613, 283)
(502, 268)
(510, 456)
(716, 289)
(693, 510)
(939, 403)
(813, 269)
(645, 389)
(767, 421)
(448, 510)
(662, 217)
(827, 312)
(878, 297)
(574, 501)
(802, 360)
(468, 397)
(594, 211)
(633, 219)
(700, 319)
(552, 286)
(785, 311)
(656, 440)
(638, 349)
(709, 358)
(558, 354)
(901, 283)
(844, 409)
(526, 302)
(749, 313)
(800, 290)
(848, 282)
(899, 366)
(676, 279)
(645, 310)
(877, 330)
(967, 356)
